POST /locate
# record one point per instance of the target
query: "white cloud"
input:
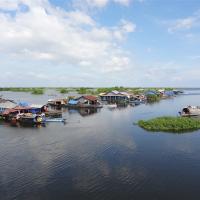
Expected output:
(47, 33)
(85, 4)
(8, 5)
(97, 3)
(184, 23)
(123, 2)
(79, 17)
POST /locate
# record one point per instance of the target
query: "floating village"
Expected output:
(24, 113)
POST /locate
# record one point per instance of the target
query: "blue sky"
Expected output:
(100, 43)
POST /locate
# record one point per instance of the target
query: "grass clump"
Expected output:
(31, 90)
(170, 124)
(63, 91)
(37, 91)
(152, 98)
(89, 91)
(16, 89)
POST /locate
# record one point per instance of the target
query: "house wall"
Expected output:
(113, 98)
(82, 100)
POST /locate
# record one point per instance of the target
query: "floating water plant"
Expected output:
(63, 91)
(170, 124)
(37, 91)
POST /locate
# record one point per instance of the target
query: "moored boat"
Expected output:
(29, 118)
(190, 111)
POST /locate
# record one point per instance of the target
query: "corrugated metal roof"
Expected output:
(7, 104)
(36, 106)
(90, 98)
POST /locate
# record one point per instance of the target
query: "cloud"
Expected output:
(71, 38)
(87, 4)
(162, 71)
(8, 5)
(123, 2)
(185, 23)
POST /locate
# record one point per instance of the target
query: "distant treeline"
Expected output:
(32, 90)
(84, 90)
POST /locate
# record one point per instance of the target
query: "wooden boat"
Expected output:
(190, 111)
(30, 118)
(136, 102)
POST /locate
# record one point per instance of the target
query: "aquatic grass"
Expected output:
(152, 98)
(37, 91)
(170, 124)
(63, 90)
(32, 90)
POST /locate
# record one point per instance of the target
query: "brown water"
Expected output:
(100, 155)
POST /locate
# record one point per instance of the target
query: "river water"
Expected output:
(100, 155)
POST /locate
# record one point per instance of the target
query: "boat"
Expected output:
(137, 102)
(190, 111)
(29, 118)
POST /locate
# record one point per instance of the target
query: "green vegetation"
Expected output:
(104, 90)
(90, 91)
(37, 91)
(152, 98)
(170, 124)
(63, 90)
(17, 89)
(32, 90)
(82, 90)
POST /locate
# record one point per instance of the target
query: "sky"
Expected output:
(99, 43)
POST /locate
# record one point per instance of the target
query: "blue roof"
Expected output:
(169, 93)
(73, 102)
(151, 93)
(23, 104)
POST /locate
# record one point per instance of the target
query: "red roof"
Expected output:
(15, 109)
(21, 108)
(8, 111)
(90, 98)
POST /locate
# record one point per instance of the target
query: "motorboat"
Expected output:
(190, 111)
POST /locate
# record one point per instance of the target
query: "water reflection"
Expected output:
(102, 157)
(21, 125)
(84, 111)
